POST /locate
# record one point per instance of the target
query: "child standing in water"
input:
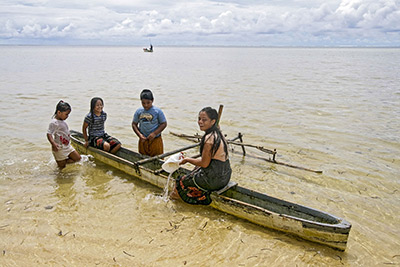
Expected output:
(59, 137)
(95, 120)
(148, 123)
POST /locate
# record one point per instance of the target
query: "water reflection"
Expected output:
(65, 192)
(79, 182)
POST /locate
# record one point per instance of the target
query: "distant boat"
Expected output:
(148, 49)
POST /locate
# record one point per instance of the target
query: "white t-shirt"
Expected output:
(60, 132)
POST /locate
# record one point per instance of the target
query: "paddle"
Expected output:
(143, 161)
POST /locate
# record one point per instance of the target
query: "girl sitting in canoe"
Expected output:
(213, 170)
(59, 138)
(95, 120)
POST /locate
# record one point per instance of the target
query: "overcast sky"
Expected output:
(201, 22)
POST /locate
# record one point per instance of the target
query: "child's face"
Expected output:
(147, 104)
(99, 107)
(204, 121)
(63, 115)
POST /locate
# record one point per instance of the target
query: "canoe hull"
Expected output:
(317, 232)
(258, 208)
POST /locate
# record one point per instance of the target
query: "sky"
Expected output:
(338, 23)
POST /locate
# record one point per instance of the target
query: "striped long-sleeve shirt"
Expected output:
(96, 127)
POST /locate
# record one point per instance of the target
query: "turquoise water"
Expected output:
(328, 109)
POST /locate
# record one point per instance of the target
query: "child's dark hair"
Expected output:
(62, 107)
(213, 115)
(146, 94)
(93, 105)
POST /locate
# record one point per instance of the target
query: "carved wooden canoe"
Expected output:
(256, 207)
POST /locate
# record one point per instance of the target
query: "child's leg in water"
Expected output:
(61, 164)
(73, 157)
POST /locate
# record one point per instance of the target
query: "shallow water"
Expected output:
(334, 110)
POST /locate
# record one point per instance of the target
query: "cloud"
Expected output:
(370, 14)
(240, 22)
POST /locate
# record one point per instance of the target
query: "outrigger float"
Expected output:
(307, 223)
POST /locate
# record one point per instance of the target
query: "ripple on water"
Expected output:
(321, 108)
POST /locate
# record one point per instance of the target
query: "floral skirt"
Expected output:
(196, 187)
(190, 192)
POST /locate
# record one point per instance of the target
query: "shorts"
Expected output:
(63, 153)
(153, 148)
(98, 141)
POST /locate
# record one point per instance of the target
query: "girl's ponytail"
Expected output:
(62, 107)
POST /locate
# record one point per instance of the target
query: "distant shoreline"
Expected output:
(194, 46)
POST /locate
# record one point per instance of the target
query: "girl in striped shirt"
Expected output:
(97, 137)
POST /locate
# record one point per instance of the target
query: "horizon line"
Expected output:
(225, 46)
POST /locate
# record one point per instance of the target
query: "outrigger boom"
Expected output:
(196, 138)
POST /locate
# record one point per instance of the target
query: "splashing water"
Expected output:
(171, 165)
(165, 196)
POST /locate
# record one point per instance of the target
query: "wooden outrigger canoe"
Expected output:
(261, 209)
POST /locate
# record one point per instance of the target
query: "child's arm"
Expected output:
(157, 131)
(53, 144)
(84, 132)
(135, 128)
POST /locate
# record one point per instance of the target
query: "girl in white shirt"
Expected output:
(59, 137)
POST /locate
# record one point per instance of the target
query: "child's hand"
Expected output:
(142, 137)
(151, 136)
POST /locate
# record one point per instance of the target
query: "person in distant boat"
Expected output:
(95, 120)
(151, 47)
(59, 137)
(213, 170)
(148, 123)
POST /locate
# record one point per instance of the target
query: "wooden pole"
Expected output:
(143, 161)
(279, 163)
(196, 137)
(241, 140)
(221, 107)
(230, 140)
(273, 160)
(266, 150)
